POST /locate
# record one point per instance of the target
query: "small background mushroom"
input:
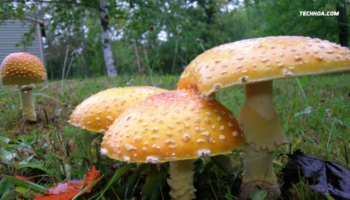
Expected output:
(24, 70)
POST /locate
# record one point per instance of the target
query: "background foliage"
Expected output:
(163, 36)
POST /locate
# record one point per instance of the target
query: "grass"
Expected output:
(53, 151)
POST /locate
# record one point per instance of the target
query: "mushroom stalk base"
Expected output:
(27, 102)
(258, 173)
(260, 123)
(181, 180)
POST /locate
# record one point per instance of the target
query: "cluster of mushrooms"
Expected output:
(152, 125)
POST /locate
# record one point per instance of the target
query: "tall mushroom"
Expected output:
(24, 70)
(176, 126)
(255, 63)
(99, 111)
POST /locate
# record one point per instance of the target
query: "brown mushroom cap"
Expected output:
(22, 69)
(263, 59)
(98, 112)
(175, 125)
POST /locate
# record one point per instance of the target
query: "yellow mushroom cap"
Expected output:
(99, 111)
(263, 59)
(175, 125)
(22, 69)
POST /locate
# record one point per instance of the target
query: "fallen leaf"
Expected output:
(65, 196)
(60, 188)
(90, 177)
(70, 189)
(325, 177)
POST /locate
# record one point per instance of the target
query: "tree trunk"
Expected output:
(107, 51)
(342, 23)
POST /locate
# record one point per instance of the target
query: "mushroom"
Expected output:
(99, 111)
(176, 126)
(255, 63)
(24, 70)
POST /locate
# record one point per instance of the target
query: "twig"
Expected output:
(46, 117)
(10, 92)
(64, 68)
(211, 186)
(302, 91)
(137, 182)
(137, 54)
(176, 48)
(116, 194)
(346, 156)
(161, 192)
(330, 134)
(43, 95)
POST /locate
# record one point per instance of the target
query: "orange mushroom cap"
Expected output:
(22, 69)
(175, 125)
(98, 112)
(263, 59)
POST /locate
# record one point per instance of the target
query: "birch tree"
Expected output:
(105, 32)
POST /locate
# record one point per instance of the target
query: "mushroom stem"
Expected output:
(260, 122)
(27, 103)
(181, 180)
(258, 171)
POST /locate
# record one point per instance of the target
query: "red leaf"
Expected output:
(90, 177)
(70, 189)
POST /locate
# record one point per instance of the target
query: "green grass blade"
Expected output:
(328, 197)
(5, 185)
(37, 166)
(152, 183)
(8, 195)
(117, 175)
(259, 194)
(26, 184)
(87, 187)
(133, 178)
(228, 194)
